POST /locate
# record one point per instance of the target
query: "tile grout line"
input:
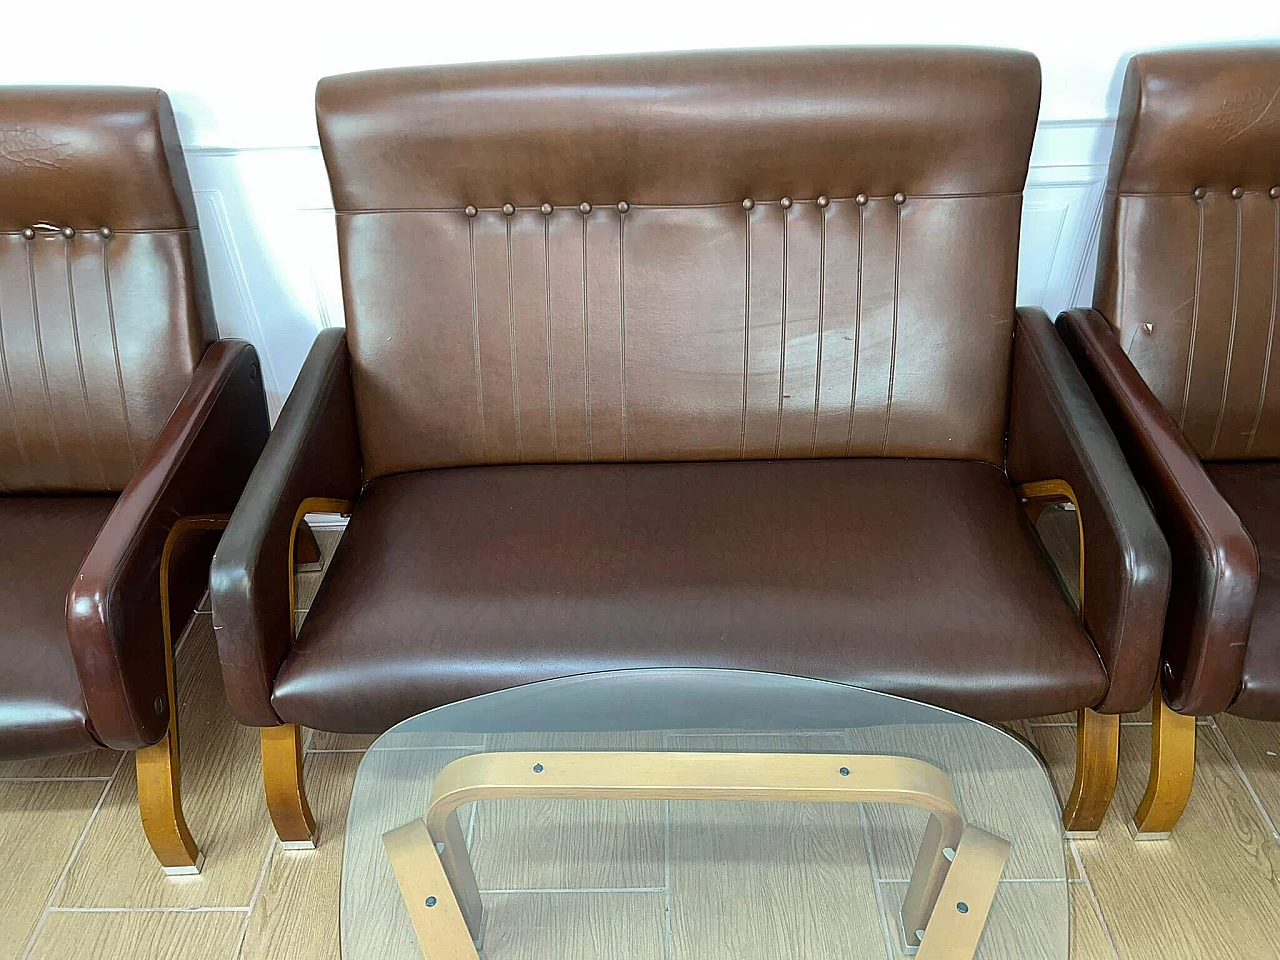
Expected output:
(896, 880)
(467, 746)
(66, 868)
(532, 890)
(668, 942)
(874, 865)
(1093, 898)
(106, 779)
(1123, 723)
(475, 807)
(148, 909)
(885, 931)
(256, 895)
(1225, 746)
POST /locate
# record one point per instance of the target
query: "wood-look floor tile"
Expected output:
(1256, 746)
(39, 826)
(752, 879)
(297, 911)
(305, 586)
(1029, 920)
(999, 784)
(574, 926)
(1210, 891)
(93, 763)
(324, 740)
(152, 935)
(327, 538)
(1059, 532)
(574, 844)
(392, 788)
(1088, 938)
(222, 795)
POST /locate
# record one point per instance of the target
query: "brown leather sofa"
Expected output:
(126, 435)
(1180, 349)
(687, 360)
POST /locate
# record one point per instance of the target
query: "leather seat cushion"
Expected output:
(43, 541)
(1253, 490)
(915, 577)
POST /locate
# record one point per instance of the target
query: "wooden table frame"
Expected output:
(952, 885)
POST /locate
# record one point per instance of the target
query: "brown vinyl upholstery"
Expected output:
(1188, 265)
(117, 416)
(1181, 349)
(98, 279)
(860, 307)
(641, 565)
(581, 293)
(42, 542)
(1253, 490)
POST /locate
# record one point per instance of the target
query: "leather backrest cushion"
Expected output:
(101, 308)
(1190, 255)
(690, 256)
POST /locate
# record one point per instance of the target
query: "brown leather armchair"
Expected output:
(125, 435)
(1180, 349)
(686, 360)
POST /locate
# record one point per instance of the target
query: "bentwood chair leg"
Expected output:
(286, 790)
(158, 766)
(1097, 763)
(1173, 761)
(160, 803)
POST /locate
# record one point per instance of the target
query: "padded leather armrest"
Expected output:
(197, 466)
(1215, 563)
(1056, 431)
(314, 451)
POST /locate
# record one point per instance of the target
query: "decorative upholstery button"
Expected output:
(748, 204)
(546, 209)
(508, 209)
(823, 201)
(68, 232)
(105, 231)
(584, 208)
(1198, 193)
(1275, 193)
(1237, 192)
(470, 211)
(899, 198)
(860, 199)
(28, 233)
(623, 206)
(785, 203)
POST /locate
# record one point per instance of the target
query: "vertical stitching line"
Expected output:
(822, 292)
(746, 335)
(857, 336)
(1195, 311)
(893, 339)
(1231, 336)
(622, 321)
(115, 350)
(475, 335)
(551, 364)
(8, 394)
(1271, 329)
(782, 340)
(44, 373)
(515, 355)
(586, 344)
(84, 385)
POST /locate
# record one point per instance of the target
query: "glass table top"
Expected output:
(774, 865)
